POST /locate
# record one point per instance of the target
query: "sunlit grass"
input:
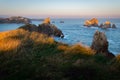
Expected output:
(76, 49)
(12, 40)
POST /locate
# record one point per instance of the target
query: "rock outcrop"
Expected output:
(93, 22)
(50, 29)
(29, 27)
(100, 44)
(47, 21)
(45, 28)
(15, 19)
(107, 24)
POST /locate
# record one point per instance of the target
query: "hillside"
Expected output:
(28, 55)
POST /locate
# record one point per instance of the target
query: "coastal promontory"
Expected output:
(46, 28)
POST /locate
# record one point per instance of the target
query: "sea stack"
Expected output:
(100, 44)
(93, 22)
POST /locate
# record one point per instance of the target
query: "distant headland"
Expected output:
(15, 19)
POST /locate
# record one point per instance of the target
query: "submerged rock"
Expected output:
(100, 44)
(92, 22)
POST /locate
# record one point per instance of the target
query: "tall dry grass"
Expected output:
(15, 39)
(76, 49)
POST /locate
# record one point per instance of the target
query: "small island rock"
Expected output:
(107, 24)
(92, 22)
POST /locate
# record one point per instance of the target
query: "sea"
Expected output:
(76, 33)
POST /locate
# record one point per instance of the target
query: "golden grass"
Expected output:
(15, 39)
(8, 45)
(118, 57)
(76, 49)
(12, 40)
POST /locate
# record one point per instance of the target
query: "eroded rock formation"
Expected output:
(107, 24)
(92, 22)
(47, 21)
(45, 28)
(95, 23)
(50, 29)
(100, 44)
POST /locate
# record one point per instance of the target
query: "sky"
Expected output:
(60, 8)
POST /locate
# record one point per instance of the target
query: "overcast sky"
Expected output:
(60, 8)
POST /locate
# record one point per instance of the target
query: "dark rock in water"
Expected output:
(107, 24)
(15, 19)
(100, 44)
(93, 22)
(50, 30)
(113, 26)
(29, 27)
(61, 21)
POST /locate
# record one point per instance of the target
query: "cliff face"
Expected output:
(100, 44)
(15, 19)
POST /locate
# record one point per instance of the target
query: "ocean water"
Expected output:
(76, 33)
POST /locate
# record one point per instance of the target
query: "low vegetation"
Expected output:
(28, 55)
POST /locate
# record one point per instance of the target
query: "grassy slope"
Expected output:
(32, 56)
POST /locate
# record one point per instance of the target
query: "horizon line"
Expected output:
(39, 17)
